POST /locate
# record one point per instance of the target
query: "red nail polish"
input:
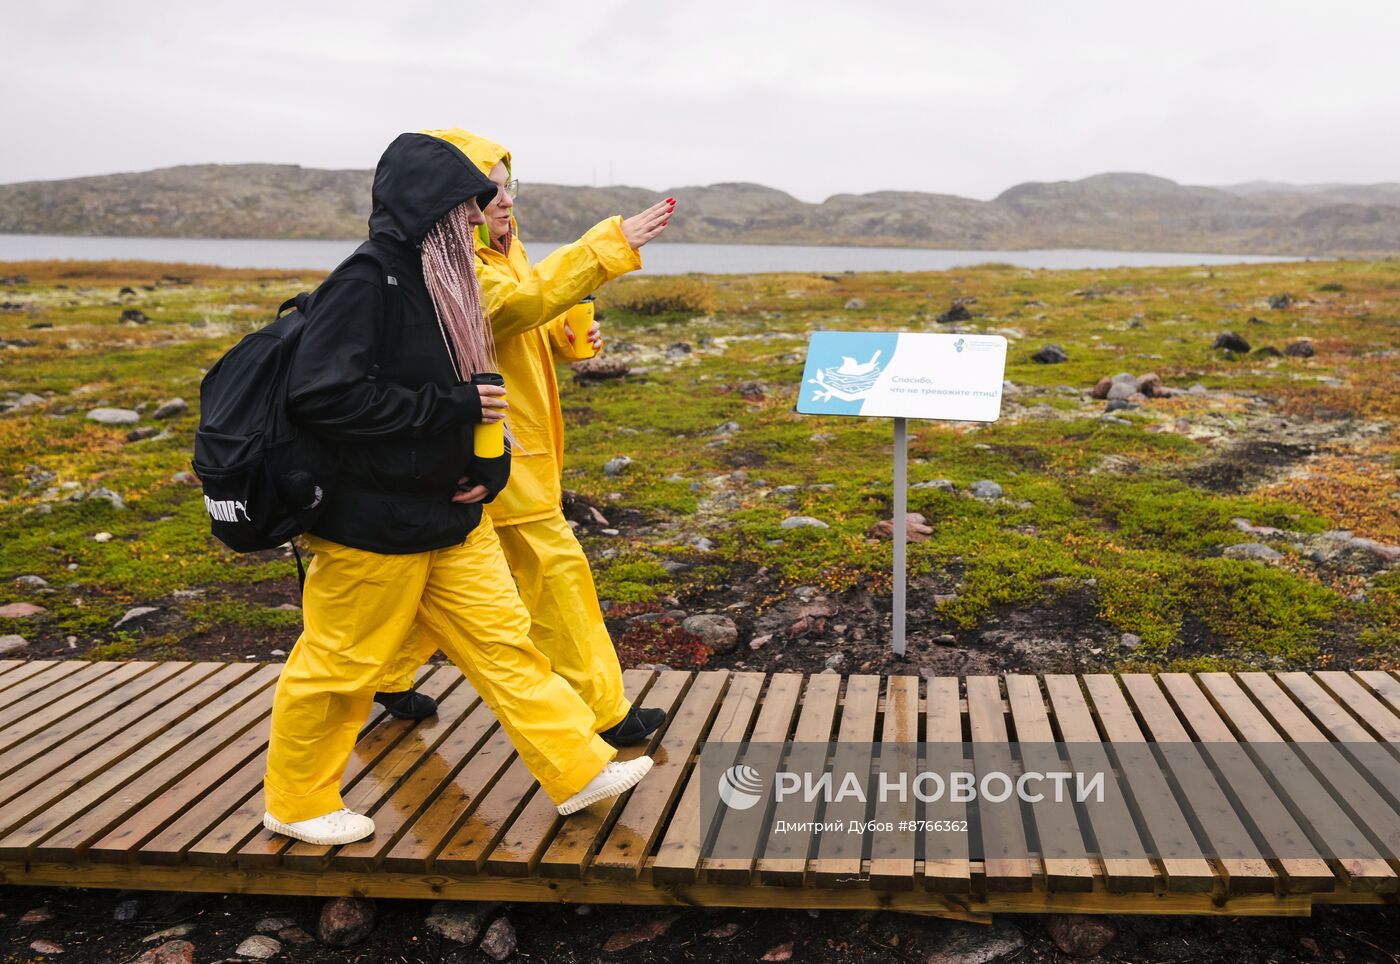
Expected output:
(664, 223)
(670, 200)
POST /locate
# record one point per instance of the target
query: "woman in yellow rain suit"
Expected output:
(535, 314)
(382, 372)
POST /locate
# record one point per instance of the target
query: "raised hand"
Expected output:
(641, 228)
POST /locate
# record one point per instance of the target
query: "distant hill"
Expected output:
(1114, 211)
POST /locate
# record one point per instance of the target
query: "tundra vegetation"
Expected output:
(1242, 510)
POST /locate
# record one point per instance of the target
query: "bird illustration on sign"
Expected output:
(850, 381)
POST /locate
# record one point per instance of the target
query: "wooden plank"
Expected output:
(892, 852)
(520, 849)
(21, 670)
(1178, 851)
(1326, 823)
(1062, 848)
(1249, 790)
(454, 802)
(946, 868)
(122, 842)
(649, 803)
(7, 666)
(1243, 868)
(741, 833)
(579, 837)
(1342, 772)
(781, 864)
(89, 811)
(25, 739)
(380, 780)
(1122, 854)
(840, 855)
(52, 682)
(242, 837)
(1375, 719)
(68, 760)
(1005, 849)
(1385, 687)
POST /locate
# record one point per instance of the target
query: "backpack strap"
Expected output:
(392, 294)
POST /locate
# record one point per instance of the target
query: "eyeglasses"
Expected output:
(510, 187)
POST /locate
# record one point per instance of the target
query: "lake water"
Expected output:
(659, 258)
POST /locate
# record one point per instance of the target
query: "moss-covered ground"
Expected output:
(1110, 545)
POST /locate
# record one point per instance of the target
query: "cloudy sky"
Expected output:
(813, 97)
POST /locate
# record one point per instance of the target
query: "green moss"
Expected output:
(631, 579)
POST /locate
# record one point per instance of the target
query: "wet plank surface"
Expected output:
(116, 773)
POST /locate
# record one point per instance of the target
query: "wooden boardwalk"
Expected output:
(148, 775)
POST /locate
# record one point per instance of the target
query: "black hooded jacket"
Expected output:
(404, 430)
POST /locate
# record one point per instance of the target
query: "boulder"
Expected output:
(977, 944)
(107, 495)
(1302, 348)
(1280, 302)
(1267, 351)
(958, 312)
(943, 485)
(1149, 384)
(346, 921)
(134, 316)
(271, 925)
(1230, 341)
(11, 645)
(1101, 387)
(855, 304)
(803, 522)
(727, 428)
(1050, 355)
(616, 466)
(717, 632)
(21, 610)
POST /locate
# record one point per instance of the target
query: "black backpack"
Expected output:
(265, 479)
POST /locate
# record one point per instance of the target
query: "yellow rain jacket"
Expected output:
(528, 307)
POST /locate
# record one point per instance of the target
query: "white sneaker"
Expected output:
(337, 827)
(613, 780)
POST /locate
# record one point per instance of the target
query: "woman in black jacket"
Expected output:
(383, 372)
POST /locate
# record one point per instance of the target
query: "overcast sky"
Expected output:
(812, 97)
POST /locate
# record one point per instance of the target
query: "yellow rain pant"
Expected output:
(567, 626)
(358, 607)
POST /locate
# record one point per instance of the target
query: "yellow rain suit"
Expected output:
(528, 307)
(414, 557)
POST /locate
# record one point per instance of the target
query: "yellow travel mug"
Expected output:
(580, 319)
(489, 438)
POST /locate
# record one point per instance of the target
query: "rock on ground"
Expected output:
(1251, 550)
(32, 583)
(458, 921)
(346, 921)
(179, 930)
(171, 952)
(1051, 355)
(172, 408)
(136, 612)
(1302, 348)
(1231, 341)
(783, 952)
(985, 489)
(43, 946)
(616, 466)
(500, 942)
(717, 632)
(650, 931)
(12, 644)
(977, 944)
(113, 416)
(271, 925)
(259, 947)
(1079, 935)
(916, 528)
(803, 522)
(21, 610)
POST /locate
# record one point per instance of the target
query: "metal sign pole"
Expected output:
(901, 526)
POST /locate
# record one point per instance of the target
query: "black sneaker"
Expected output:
(635, 727)
(408, 705)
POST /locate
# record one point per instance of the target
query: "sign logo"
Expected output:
(849, 381)
(958, 345)
(740, 787)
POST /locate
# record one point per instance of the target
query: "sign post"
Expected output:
(903, 375)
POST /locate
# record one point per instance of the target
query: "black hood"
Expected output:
(419, 179)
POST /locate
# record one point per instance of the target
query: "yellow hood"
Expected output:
(485, 154)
